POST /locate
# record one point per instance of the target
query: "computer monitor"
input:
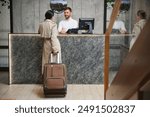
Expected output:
(86, 24)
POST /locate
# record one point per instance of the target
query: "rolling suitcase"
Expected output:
(55, 79)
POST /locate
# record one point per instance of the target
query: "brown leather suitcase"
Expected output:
(55, 79)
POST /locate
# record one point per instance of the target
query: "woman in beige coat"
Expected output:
(141, 20)
(48, 31)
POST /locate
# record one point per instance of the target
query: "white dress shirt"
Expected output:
(67, 24)
(118, 24)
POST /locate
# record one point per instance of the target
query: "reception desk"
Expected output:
(82, 54)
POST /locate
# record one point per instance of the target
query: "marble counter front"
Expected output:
(25, 56)
(82, 54)
(84, 57)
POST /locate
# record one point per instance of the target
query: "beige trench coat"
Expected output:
(137, 30)
(48, 31)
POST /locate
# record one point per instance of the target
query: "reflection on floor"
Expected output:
(35, 91)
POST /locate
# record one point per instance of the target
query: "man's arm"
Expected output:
(76, 24)
(61, 30)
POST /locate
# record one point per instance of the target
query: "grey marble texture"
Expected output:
(83, 56)
(25, 52)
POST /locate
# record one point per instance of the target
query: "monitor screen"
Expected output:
(86, 23)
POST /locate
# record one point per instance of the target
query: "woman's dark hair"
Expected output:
(49, 14)
(141, 14)
(68, 8)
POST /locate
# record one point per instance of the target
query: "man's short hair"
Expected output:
(141, 14)
(49, 14)
(68, 8)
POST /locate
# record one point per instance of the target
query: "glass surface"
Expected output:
(119, 42)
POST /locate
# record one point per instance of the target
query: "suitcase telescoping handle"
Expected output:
(52, 58)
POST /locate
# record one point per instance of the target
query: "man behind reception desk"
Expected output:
(49, 32)
(68, 22)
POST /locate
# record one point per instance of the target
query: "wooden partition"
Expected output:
(107, 41)
(133, 78)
